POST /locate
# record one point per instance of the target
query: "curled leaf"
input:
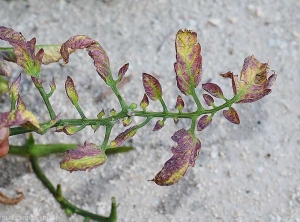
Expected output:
(86, 157)
(24, 51)
(20, 104)
(203, 122)
(213, 89)
(95, 51)
(130, 132)
(231, 115)
(208, 100)
(71, 90)
(19, 117)
(188, 65)
(122, 71)
(152, 87)
(145, 102)
(255, 83)
(179, 103)
(184, 155)
(159, 124)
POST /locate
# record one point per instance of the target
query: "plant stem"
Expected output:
(64, 202)
(107, 134)
(46, 97)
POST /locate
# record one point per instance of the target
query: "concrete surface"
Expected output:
(248, 172)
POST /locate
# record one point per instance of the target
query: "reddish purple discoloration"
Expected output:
(203, 122)
(208, 99)
(213, 89)
(152, 87)
(231, 115)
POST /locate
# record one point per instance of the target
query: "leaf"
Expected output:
(130, 132)
(188, 65)
(122, 71)
(20, 104)
(51, 53)
(24, 51)
(86, 157)
(71, 90)
(14, 89)
(208, 99)
(19, 117)
(152, 87)
(52, 85)
(255, 83)
(184, 156)
(95, 51)
(203, 122)
(179, 103)
(213, 89)
(5, 69)
(159, 124)
(145, 102)
(231, 115)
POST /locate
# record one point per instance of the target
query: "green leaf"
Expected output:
(188, 65)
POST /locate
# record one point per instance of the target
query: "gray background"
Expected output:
(248, 172)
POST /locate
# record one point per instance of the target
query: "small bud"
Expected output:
(126, 121)
(101, 114)
(133, 106)
(176, 120)
(113, 112)
(86, 157)
(71, 91)
(208, 100)
(52, 85)
(159, 124)
(15, 89)
(179, 103)
(145, 102)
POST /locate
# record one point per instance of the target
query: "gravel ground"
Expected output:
(248, 172)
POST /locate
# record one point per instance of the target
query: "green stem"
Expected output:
(46, 97)
(196, 99)
(123, 114)
(79, 111)
(65, 204)
(165, 108)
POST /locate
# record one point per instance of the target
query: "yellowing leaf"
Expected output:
(152, 87)
(255, 83)
(184, 156)
(188, 65)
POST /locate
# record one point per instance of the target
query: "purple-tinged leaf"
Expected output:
(208, 99)
(15, 89)
(122, 71)
(37, 82)
(231, 115)
(203, 122)
(184, 156)
(255, 83)
(86, 157)
(158, 125)
(20, 104)
(179, 103)
(24, 51)
(145, 102)
(52, 85)
(188, 65)
(213, 89)
(152, 87)
(5, 69)
(95, 51)
(71, 91)
(130, 132)
(19, 117)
